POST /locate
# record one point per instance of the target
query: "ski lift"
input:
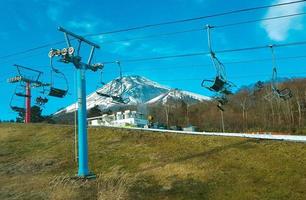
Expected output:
(55, 91)
(284, 93)
(20, 91)
(41, 101)
(110, 89)
(259, 85)
(220, 83)
(222, 100)
(13, 105)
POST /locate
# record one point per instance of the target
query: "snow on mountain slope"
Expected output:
(138, 90)
(176, 94)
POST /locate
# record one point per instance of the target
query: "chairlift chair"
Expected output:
(55, 91)
(41, 101)
(284, 93)
(220, 83)
(222, 100)
(16, 108)
(20, 91)
(108, 94)
(259, 85)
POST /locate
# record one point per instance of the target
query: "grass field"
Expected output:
(37, 162)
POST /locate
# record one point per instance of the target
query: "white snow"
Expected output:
(139, 90)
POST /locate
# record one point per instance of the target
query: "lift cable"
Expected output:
(207, 53)
(196, 18)
(201, 29)
(236, 62)
(259, 20)
(159, 24)
(232, 77)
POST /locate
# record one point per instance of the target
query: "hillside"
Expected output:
(36, 162)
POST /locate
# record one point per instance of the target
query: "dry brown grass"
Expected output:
(36, 162)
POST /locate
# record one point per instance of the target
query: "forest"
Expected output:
(249, 109)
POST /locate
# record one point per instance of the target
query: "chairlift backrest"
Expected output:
(17, 109)
(218, 84)
(56, 92)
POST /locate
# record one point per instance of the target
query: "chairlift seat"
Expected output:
(259, 85)
(222, 100)
(41, 100)
(284, 94)
(119, 99)
(17, 109)
(56, 92)
(21, 94)
(103, 94)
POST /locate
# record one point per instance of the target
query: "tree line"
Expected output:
(248, 110)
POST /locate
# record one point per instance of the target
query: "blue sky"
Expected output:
(27, 24)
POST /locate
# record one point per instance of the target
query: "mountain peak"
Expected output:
(139, 90)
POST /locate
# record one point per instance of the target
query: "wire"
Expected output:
(201, 29)
(154, 36)
(158, 24)
(206, 53)
(195, 18)
(258, 20)
(233, 77)
(207, 65)
(32, 49)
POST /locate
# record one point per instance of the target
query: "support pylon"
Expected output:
(28, 103)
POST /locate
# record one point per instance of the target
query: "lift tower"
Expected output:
(27, 79)
(72, 55)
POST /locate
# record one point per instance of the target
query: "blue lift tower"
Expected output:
(72, 55)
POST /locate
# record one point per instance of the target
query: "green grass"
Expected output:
(37, 162)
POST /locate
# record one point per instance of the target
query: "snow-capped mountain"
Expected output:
(138, 90)
(176, 94)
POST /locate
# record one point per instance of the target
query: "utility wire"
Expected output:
(159, 24)
(259, 20)
(232, 77)
(32, 49)
(195, 18)
(206, 53)
(201, 29)
(176, 67)
(208, 65)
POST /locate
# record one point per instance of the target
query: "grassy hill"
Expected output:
(37, 162)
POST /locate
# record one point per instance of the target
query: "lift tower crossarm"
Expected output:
(78, 37)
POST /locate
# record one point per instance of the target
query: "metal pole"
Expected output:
(28, 103)
(222, 121)
(75, 124)
(82, 126)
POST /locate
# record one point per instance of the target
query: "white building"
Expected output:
(126, 118)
